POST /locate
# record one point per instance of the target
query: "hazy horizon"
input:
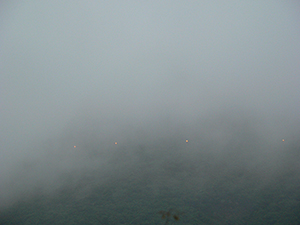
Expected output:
(95, 73)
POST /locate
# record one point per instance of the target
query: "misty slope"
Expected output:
(242, 181)
(99, 98)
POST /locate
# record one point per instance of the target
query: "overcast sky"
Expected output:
(139, 60)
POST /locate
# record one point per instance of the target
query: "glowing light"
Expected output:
(116, 143)
(282, 139)
(74, 146)
(186, 141)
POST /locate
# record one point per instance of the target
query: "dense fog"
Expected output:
(106, 86)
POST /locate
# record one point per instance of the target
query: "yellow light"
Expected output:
(116, 143)
(74, 146)
(186, 141)
(282, 139)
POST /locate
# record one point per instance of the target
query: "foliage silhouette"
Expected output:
(169, 214)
